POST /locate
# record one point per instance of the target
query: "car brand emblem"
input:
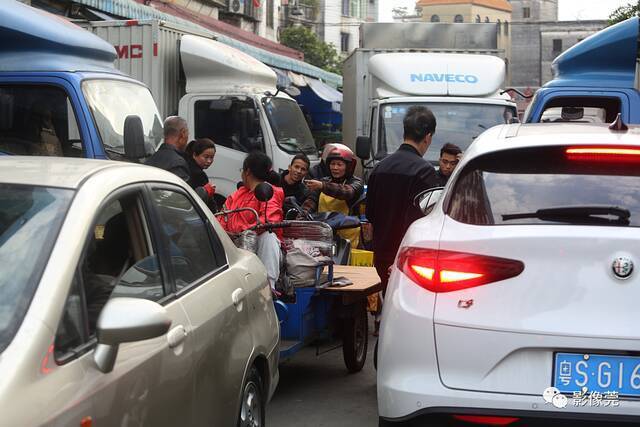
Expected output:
(622, 267)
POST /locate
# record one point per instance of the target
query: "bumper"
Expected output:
(273, 359)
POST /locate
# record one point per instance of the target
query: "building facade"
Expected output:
(469, 11)
(537, 38)
(339, 22)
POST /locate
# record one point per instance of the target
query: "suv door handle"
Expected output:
(176, 336)
(237, 296)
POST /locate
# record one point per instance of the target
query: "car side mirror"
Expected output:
(264, 192)
(426, 200)
(133, 136)
(363, 147)
(127, 320)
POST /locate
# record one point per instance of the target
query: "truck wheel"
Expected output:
(355, 338)
(253, 401)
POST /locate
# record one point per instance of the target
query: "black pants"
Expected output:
(382, 264)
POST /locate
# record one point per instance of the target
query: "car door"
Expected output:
(213, 295)
(121, 259)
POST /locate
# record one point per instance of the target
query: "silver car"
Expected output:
(124, 303)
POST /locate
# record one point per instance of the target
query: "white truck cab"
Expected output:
(224, 94)
(232, 99)
(456, 70)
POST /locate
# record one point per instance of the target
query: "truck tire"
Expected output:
(355, 339)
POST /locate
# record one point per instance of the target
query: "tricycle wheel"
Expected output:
(355, 339)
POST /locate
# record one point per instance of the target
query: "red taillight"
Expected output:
(604, 154)
(446, 271)
(487, 420)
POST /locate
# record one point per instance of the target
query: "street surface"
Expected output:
(317, 391)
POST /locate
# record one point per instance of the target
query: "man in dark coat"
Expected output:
(170, 155)
(393, 185)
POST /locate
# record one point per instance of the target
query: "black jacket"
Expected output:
(348, 189)
(170, 159)
(297, 190)
(392, 186)
(442, 180)
(197, 176)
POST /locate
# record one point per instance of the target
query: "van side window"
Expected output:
(581, 110)
(231, 122)
(38, 120)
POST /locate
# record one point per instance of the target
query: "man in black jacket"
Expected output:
(170, 155)
(393, 185)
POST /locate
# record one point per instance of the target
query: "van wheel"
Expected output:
(253, 401)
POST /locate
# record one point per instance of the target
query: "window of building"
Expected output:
(435, 18)
(478, 19)
(557, 45)
(345, 7)
(458, 19)
(486, 19)
(506, 28)
(270, 13)
(526, 12)
(344, 42)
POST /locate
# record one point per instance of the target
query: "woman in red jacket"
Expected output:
(255, 170)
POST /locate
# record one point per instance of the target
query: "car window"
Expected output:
(38, 120)
(119, 260)
(509, 187)
(30, 218)
(581, 109)
(188, 236)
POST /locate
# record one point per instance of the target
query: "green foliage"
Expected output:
(624, 12)
(316, 52)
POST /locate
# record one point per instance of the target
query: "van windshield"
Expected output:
(111, 101)
(457, 123)
(30, 218)
(289, 126)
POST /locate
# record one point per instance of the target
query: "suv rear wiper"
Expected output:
(578, 215)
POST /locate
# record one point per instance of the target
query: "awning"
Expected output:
(131, 9)
(326, 93)
(283, 77)
(297, 79)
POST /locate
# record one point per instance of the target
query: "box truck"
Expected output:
(456, 70)
(223, 93)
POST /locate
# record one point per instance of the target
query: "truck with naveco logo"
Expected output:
(456, 70)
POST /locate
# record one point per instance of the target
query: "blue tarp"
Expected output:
(322, 104)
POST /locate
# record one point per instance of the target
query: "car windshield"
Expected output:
(457, 123)
(546, 186)
(289, 126)
(111, 101)
(30, 218)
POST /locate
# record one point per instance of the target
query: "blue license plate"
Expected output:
(597, 372)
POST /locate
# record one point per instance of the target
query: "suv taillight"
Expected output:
(446, 271)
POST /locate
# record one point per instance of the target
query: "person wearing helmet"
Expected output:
(321, 170)
(337, 192)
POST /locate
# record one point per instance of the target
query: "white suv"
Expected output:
(515, 299)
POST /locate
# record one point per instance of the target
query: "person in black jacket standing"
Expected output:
(170, 155)
(393, 185)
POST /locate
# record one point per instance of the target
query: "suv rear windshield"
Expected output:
(512, 187)
(30, 218)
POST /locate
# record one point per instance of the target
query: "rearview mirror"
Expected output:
(572, 113)
(127, 320)
(133, 136)
(363, 147)
(426, 200)
(264, 192)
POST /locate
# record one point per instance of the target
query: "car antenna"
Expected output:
(618, 124)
